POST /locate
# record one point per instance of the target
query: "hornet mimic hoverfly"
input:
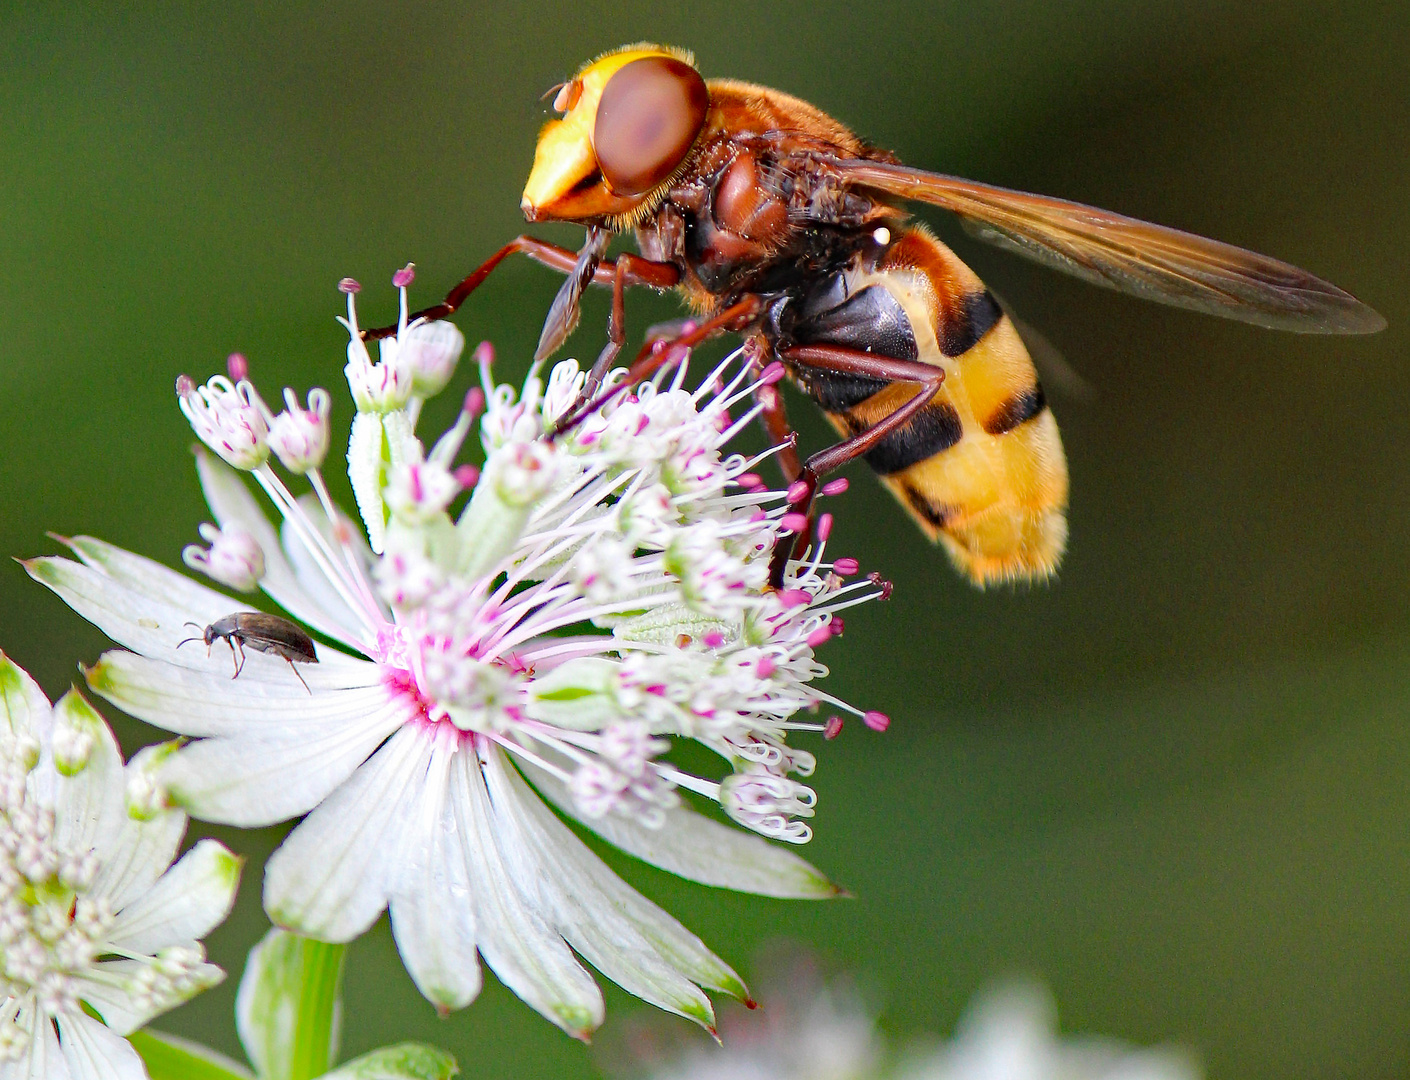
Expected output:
(776, 222)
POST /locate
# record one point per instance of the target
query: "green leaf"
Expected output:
(405, 1061)
(287, 1010)
(169, 1057)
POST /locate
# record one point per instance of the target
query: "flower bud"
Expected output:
(379, 387)
(430, 351)
(227, 417)
(299, 437)
(233, 559)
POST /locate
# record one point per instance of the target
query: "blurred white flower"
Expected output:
(812, 1030)
(94, 919)
(1010, 1033)
(599, 594)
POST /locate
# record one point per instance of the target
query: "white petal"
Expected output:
(262, 777)
(515, 939)
(626, 937)
(329, 879)
(44, 1060)
(24, 709)
(698, 849)
(92, 1052)
(230, 500)
(138, 855)
(186, 903)
(208, 703)
(151, 610)
(115, 1005)
(89, 807)
(433, 920)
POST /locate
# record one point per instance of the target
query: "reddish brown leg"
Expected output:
(657, 275)
(847, 361)
(655, 354)
(627, 265)
(236, 646)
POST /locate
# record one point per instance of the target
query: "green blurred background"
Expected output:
(1171, 783)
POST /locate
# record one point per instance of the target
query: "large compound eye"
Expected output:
(647, 119)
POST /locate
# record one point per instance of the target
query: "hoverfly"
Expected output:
(775, 221)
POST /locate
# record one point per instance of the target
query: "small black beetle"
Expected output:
(264, 633)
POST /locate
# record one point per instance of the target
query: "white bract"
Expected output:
(600, 594)
(93, 916)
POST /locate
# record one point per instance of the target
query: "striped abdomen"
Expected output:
(981, 468)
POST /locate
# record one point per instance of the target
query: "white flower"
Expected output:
(1010, 1033)
(599, 594)
(809, 1030)
(93, 916)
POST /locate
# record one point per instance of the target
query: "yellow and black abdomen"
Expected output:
(981, 468)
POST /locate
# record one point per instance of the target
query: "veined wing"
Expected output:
(1129, 255)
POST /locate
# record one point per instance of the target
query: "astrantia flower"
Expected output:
(91, 918)
(598, 596)
(810, 1030)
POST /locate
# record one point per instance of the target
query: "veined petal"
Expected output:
(92, 1052)
(433, 918)
(230, 501)
(266, 776)
(630, 940)
(149, 621)
(88, 805)
(187, 902)
(516, 939)
(200, 703)
(140, 852)
(694, 847)
(24, 709)
(44, 1061)
(329, 879)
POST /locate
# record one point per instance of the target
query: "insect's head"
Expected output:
(630, 121)
(207, 634)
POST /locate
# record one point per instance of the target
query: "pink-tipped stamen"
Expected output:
(824, 527)
(797, 491)
(794, 523)
(836, 487)
(237, 367)
(349, 285)
(405, 276)
(877, 721)
(846, 566)
(833, 727)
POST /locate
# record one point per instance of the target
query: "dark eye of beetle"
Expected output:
(647, 119)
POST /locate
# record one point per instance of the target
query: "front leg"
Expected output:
(644, 272)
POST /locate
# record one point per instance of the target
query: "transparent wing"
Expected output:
(1128, 255)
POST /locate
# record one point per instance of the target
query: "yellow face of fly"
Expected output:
(570, 181)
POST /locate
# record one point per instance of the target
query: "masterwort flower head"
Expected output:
(816, 1029)
(98, 931)
(599, 595)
